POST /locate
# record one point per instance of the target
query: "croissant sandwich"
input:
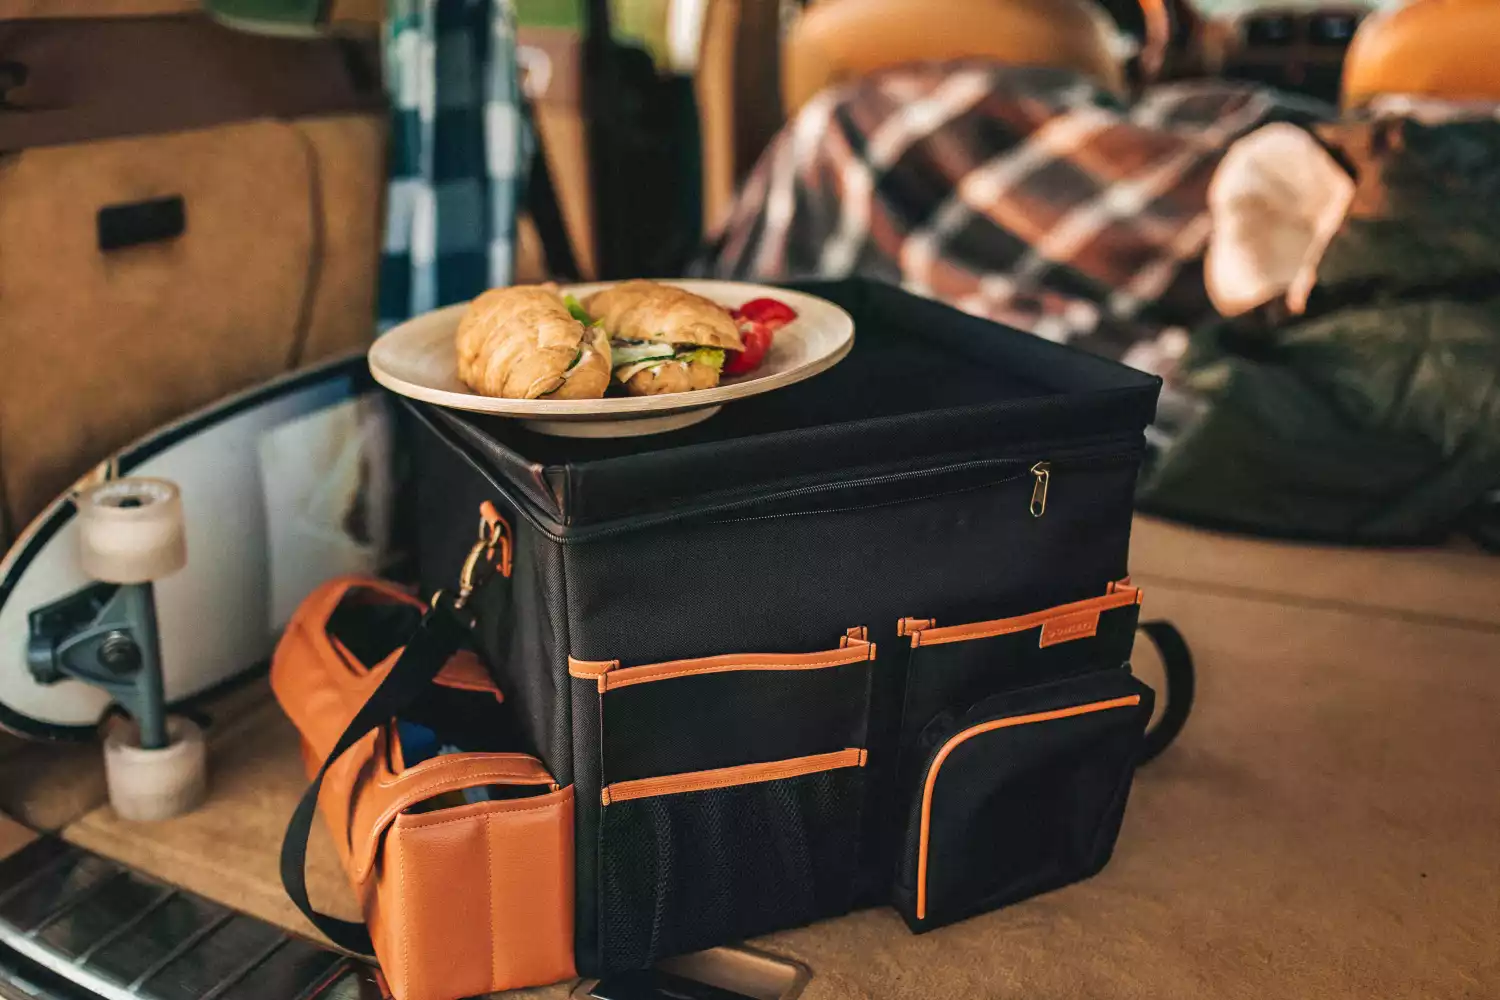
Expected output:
(663, 339)
(523, 343)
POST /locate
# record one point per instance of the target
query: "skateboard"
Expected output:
(231, 516)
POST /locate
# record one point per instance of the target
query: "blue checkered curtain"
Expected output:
(458, 141)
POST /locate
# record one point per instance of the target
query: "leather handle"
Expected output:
(392, 794)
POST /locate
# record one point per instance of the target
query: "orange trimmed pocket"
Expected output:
(689, 861)
(952, 667)
(1023, 793)
(719, 712)
(1063, 623)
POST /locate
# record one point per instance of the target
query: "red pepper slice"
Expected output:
(757, 338)
(773, 314)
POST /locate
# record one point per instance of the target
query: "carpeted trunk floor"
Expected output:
(1328, 826)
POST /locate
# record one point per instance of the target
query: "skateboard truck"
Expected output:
(105, 635)
(130, 534)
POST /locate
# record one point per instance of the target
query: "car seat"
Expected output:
(1429, 48)
(838, 40)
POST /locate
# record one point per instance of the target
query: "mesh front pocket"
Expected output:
(685, 870)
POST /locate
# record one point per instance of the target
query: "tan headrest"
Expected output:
(1431, 48)
(840, 40)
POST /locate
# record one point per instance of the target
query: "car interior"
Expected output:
(1324, 825)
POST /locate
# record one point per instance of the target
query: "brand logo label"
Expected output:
(1080, 626)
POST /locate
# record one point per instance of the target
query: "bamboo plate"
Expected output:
(418, 359)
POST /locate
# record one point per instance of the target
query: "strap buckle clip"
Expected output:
(490, 555)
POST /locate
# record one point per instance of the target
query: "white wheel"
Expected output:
(148, 785)
(131, 530)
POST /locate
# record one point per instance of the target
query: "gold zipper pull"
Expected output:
(1043, 473)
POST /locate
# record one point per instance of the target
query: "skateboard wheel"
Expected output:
(147, 785)
(131, 530)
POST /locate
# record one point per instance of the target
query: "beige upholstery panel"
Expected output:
(349, 153)
(101, 348)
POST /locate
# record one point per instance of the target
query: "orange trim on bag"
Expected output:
(1118, 596)
(1084, 625)
(728, 777)
(499, 529)
(852, 650)
(959, 738)
(591, 670)
(911, 626)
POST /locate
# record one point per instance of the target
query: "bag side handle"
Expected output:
(1177, 664)
(390, 795)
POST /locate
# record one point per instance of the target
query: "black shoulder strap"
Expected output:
(1177, 662)
(440, 634)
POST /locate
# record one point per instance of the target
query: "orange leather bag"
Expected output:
(462, 894)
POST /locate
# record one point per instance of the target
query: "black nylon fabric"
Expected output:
(687, 871)
(586, 753)
(1021, 810)
(897, 484)
(706, 721)
(785, 583)
(518, 627)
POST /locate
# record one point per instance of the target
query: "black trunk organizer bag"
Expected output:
(862, 640)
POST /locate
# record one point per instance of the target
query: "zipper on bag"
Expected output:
(940, 754)
(1042, 471)
(1122, 449)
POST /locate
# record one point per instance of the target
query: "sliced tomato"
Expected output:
(773, 314)
(757, 338)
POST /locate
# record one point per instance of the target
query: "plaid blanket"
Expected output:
(1026, 195)
(458, 140)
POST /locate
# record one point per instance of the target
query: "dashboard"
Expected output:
(1300, 49)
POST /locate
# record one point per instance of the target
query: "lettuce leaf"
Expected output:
(711, 356)
(576, 308)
